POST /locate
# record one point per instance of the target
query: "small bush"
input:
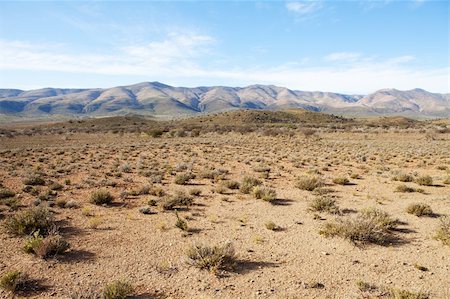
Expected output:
(232, 185)
(425, 180)
(6, 193)
(402, 177)
(264, 193)
(404, 294)
(11, 281)
(49, 246)
(212, 258)
(324, 204)
(34, 179)
(183, 178)
(117, 290)
(404, 189)
(100, 197)
(270, 225)
(145, 210)
(443, 232)
(180, 199)
(370, 226)
(181, 223)
(248, 183)
(341, 181)
(195, 192)
(419, 209)
(308, 183)
(30, 221)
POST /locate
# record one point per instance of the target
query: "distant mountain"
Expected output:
(154, 98)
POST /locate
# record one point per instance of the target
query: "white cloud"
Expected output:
(343, 56)
(180, 59)
(304, 7)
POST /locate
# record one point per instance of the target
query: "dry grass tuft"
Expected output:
(215, 258)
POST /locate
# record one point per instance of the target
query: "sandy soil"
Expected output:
(292, 262)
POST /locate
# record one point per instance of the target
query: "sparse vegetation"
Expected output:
(101, 197)
(419, 209)
(117, 290)
(215, 258)
(183, 178)
(308, 183)
(29, 221)
(248, 183)
(443, 231)
(264, 193)
(324, 204)
(12, 281)
(51, 245)
(425, 180)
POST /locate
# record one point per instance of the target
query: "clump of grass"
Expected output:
(195, 192)
(364, 286)
(248, 183)
(34, 179)
(447, 180)
(419, 209)
(184, 178)
(324, 204)
(443, 232)
(404, 294)
(264, 193)
(341, 180)
(370, 226)
(181, 223)
(232, 185)
(403, 177)
(179, 199)
(52, 245)
(270, 225)
(12, 281)
(29, 221)
(101, 197)
(212, 258)
(308, 183)
(117, 290)
(157, 191)
(425, 180)
(405, 189)
(420, 267)
(6, 193)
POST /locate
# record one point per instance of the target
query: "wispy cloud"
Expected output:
(304, 7)
(179, 58)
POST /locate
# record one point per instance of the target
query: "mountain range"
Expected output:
(157, 99)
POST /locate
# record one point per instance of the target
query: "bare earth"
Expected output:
(117, 242)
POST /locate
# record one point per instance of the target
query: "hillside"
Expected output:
(157, 99)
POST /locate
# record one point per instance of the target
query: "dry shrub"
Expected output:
(419, 209)
(369, 226)
(13, 281)
(100, 197)
(184, 178)
(117, 290)
(179, 199)
(443, 232)
(219, 257)
(425, 180)
(324, 204)
(264, 193)
(29, 221)
(52, 245)
(248, 183)
(308, 183)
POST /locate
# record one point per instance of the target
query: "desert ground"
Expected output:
(318, 213)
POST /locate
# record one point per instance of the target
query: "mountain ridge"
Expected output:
(159, 99)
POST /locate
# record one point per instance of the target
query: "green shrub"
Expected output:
(308, 183)
(220, 257)
(419, 209)
(12, 281)
(29, 221)
(100, 197)
(425, 180)
(181, 223)
(117, 290)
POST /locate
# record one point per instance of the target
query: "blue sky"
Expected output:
(342, 46)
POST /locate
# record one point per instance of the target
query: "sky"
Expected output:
(354, 47)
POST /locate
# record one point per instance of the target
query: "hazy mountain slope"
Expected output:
(154, 98)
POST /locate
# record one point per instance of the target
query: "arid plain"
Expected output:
(268, 208)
